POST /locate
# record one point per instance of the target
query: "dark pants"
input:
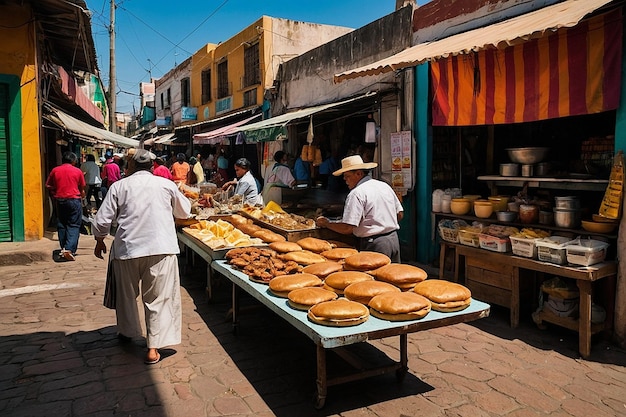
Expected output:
(388, 244)
(69, 222)
(94, 190)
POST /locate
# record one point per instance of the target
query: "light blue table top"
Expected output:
(331, 337)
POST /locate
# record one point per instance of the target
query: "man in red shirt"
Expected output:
(159, 169)
(66, 184)
(110, 173)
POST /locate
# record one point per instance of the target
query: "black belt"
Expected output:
(374, 237)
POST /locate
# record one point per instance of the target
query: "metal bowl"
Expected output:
(527, 155)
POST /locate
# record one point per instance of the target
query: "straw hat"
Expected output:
(352, 163)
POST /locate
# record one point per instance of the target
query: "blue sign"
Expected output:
(189, 113)
(164, 121)
(223, 105)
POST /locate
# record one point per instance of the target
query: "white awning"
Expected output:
(284, 119)
(520, 28)
(216, 135)
(163, 139)
(87, 131)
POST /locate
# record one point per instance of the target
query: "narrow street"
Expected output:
(60, 357)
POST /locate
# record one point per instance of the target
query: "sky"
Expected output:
(153, 36)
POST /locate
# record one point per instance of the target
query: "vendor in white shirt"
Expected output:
(245, 183)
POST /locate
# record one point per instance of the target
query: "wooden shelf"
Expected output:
(565, 183)
(567, 322)
(493, 220)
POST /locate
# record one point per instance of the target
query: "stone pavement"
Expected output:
(59, 356)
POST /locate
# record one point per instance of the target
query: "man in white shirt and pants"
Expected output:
(143, 254)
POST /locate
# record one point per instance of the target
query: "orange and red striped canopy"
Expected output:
(570, 72)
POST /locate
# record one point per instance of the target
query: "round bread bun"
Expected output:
(338, 313)
(268, 236)
(323, 269)
(362, 292)
(314, 244)
(338, 254)
(304, 298)
(445, 296)
(283, 246)
(399, 306)
(403, 276)
(281, 285)
(303, 257)
(366, 261)
(237, 219)
(338, 281)
(249, 228)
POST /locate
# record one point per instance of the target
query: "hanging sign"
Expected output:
(401, 161)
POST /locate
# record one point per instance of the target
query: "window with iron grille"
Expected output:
(206, 86)
(168, 101)
(249, 98)
(222, 80)
(185, 92)
(251, 66)
(162, 102)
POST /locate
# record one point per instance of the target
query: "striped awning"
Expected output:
(498, 35)
(574, 71)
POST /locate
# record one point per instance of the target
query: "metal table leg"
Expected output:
(235, 308)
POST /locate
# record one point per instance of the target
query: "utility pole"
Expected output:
(112, 81)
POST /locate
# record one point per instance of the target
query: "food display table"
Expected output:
(337, 337)
(491, 285)
(205, 252)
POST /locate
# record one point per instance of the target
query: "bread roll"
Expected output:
(366, 261)
(303, 257)
(249, 228)
(403, 276)
(338, 281)
(268, 236)
(323, 269)
(338, 254)
(338, 313)
(445, 296)
(283, 246)
(362, 292)
(281, 285)
(304, 298)
(314, 244)
(399, 306)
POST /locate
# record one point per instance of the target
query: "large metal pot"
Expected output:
(527, 155)
(542, 169)
(569, 218)
(509, 170)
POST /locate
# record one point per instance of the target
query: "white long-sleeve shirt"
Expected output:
(143, 206)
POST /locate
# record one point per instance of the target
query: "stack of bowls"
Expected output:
(460, 206)
(567, 212)
(500, 202)
(483, 208)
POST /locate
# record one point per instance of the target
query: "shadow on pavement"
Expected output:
(554, 338)
(78, 374)
(280, 362)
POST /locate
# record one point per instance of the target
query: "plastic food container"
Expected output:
(493, 243)
(469, 237)
(553, 249)
(586, 251)
(449, 229)
(524, 247)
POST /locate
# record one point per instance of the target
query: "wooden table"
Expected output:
(335, 338)
(583, 275)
